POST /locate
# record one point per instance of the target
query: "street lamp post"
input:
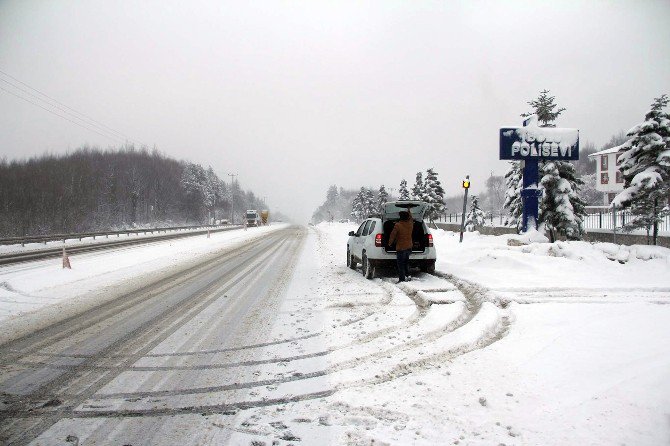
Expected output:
(466, 186)
(232, 197)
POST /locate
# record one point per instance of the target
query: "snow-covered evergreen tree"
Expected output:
(364, 204)
(561, 208)
(418, 190)
(544, 107)
(645, 214)
(337, 204)
(332, 194)
(475, 217)
(557, 193)
(382, 197)
(369, 203)
(403, 191)
(434, 194)
(645, 164)
(513, 203)
(210, 188)
(358, 211)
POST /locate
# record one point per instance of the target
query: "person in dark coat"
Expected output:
(402, 236)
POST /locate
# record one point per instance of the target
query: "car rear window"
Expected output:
(392, 212)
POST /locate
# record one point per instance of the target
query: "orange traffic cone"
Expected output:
(66, 260)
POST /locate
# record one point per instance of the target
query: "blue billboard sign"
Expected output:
(539, 143)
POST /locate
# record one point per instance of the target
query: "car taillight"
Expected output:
(430, 240)
(378, 240)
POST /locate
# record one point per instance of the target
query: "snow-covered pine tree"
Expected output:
(643, 215)
(513, 203)
(369, 203)
(332, 194)
(561, 209)
(475, 217)
(645, 164)
(403, 191)
(382, 197)
(544, 107)
(434, 195)
(357, 206)
(554, 201)
(419, 188)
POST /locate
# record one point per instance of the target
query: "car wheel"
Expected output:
(428, 266)
(351, 263)
(368, 269)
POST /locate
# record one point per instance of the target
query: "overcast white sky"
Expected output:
(295, 96)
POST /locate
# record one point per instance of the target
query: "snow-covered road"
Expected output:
(170, 333)
(523, 345)
(266, 337)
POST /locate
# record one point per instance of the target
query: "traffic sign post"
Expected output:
(530, 144)
(530, 195)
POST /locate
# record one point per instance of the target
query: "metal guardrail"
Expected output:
(18, 257)
(80, 235)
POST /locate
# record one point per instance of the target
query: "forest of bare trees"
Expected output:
(92, 189)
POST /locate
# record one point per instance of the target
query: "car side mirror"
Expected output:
(352, 233)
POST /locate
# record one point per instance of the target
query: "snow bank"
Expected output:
(490, 261)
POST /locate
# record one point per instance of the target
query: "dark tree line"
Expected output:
(92, 190)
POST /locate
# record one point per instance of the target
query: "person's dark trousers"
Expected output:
(402, 257)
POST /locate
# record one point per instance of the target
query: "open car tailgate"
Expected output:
(415, 207)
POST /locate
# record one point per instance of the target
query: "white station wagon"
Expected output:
(369, 244)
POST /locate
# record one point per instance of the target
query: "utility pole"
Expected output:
(232, 198)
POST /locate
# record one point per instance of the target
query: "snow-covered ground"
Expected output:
(539, 344)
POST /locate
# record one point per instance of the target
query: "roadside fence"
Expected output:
(605, 219)
(596, 218)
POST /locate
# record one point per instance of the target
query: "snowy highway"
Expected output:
(213, 308)
(265, 337)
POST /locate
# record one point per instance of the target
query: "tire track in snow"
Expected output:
(475, 297)
(485, 338)
(37, 402)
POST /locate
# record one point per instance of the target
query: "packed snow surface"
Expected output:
(42, 291)
(524, 343)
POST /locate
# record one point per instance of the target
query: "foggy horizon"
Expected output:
(297, 97)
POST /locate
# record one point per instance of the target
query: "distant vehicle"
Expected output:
(252, 217)
(369, 244)
(345, 220)
(224, 221)
(265, 215)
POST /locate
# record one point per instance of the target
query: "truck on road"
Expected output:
(252, 217)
